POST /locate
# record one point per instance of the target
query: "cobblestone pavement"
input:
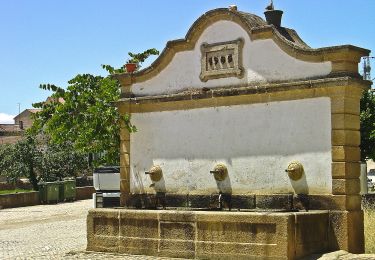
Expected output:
(43, 231)
(49, 232)
(59, 232)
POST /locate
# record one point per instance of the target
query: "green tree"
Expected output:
(88, 118)
(368, 126)
(38, 160)
(61, 161)
(6, 163)
(20, 160)
(27, 159)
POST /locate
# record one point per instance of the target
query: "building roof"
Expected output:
(33, 110)
(51, 99)
(29, 110)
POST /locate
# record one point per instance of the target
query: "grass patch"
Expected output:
(13, 191)
(369, 222)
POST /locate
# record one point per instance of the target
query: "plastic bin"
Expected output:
(61, 190)
(49, 192)
(70, 190)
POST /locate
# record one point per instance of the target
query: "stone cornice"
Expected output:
(230, 91)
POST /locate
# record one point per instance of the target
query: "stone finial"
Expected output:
(232, 8)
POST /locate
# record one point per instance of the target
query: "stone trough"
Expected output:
(209, 234)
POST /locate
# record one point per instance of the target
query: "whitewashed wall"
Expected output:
(256, 142)
(263, 61)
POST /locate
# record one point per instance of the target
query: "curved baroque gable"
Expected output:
(232, 48)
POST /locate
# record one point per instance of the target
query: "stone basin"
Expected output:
(203, 234)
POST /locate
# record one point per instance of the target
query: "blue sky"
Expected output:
(51, 41)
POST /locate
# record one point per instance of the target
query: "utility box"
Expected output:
(107, 187)
(49, 192)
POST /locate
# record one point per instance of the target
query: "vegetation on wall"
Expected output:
(137, 58)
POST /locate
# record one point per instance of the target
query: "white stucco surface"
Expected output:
(263, 61)
(256, 142)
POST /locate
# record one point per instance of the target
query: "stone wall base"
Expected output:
(210, 234)
(21, 199)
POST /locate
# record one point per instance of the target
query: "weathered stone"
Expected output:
(346, 231)
(345, 170)
(331, 202)
(346, 186)
(274, 201)
(209, 234)
(243, 202)
(177, 200)
(346, 154)
(346, 137)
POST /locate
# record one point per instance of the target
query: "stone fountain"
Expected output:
(247, 146)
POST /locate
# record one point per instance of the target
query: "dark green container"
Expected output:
(49, 192)
(61, 190)
(70, 189)
(67, 190)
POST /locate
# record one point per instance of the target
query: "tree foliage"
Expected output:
(138, 58)
(26, 159)
(6, 163)
(368, 126)
(38, 161)
(88, 118)
(20, 160)
(61, 161)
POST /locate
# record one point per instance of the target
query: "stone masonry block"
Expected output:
(334, 202)
(346, 231)
(177, 230)
(345, 122)
(138, 246)
(345, 154)
(346, 186)
(124, 159)
(345, 105)
(345, 170)
(138, 227)
(124, 146)
(346, 137)
(311, 232)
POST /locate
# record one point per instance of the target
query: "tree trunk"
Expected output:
(32, 178)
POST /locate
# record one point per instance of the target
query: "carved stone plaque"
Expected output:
(220, 60)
